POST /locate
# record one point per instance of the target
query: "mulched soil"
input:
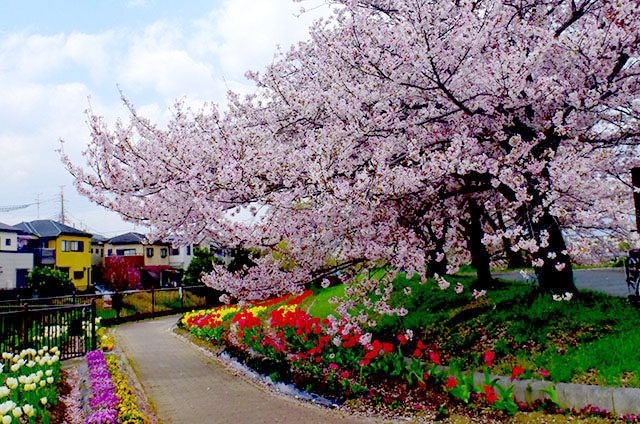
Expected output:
(59, 410)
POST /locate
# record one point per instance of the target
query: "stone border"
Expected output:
(619, 400)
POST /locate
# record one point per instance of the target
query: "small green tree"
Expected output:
(47, 281)
(201, 264)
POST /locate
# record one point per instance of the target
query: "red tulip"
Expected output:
(516, 372)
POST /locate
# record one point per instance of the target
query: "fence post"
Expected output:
(73, 298)
(153, 301)
(94, 336)
(25, 326)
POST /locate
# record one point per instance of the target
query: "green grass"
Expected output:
(321, 307)
(591, 339)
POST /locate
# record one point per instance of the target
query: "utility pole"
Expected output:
(62, 204)
(38, 204)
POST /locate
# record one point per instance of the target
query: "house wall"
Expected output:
(181, 260)
(156, 258)
(75, 261)
(97, 254)
(10, 262)
(13, 241)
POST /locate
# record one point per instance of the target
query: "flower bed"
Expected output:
(29, 388)
(103, 401)
(344, 363)
(112, 400)
(128, 411)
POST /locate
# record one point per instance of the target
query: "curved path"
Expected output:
(187, 386)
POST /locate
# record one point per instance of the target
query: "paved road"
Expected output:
(606, 280)
(187, 386)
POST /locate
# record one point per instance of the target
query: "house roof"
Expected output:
(9, 228)
(47, 228)
(98, 239)
(128, 238)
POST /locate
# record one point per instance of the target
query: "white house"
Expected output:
(15, 261)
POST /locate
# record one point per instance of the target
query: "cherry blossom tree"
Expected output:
(400, 134)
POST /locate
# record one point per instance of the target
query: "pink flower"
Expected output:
(544, 373)
(333, 366)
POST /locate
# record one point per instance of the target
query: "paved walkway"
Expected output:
(611, 281)
(187, 386)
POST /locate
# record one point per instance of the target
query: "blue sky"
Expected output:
(56, 55)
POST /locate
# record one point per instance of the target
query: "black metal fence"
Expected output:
(128, 305)
(72, 328)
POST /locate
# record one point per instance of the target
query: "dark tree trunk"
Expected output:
(480, 259)
(514, 259)
(635, 181)
(550, 278)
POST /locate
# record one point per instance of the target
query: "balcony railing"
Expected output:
(44, 256)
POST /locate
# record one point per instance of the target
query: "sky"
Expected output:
(59, 57)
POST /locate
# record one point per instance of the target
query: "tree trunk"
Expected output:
(635, 181)
(550, 278)
(480, 259)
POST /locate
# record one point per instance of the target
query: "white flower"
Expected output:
(28, 410)
(49, 380)
(15, 367)
(365, 339)
(567, 296)
(48, 373)
(4, 391)
(478, 294)
(12, 383)
(407, 291)
(7, 406)
(17, 412)
(1, 368)
(557, 297)
(43, 400)
(459, 288)
(443, 284)
(325, 283)
(337, 341)
(560, 266)
(409, 334)
(7, 419)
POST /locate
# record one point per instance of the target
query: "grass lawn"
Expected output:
(592, 339)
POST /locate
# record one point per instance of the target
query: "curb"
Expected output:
(620, 400)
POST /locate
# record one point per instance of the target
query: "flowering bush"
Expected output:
(29, 384)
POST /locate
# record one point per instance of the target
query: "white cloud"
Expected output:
(46, 80)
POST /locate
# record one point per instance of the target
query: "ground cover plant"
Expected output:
(29, 388)
(590, 339)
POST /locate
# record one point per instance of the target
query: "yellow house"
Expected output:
(62, 247)
(136, 244)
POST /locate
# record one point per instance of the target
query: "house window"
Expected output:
(72, 246)
(125, 252)
(188, 250)
(7, 242)
(175, 252)
(149, 252)
(78, 275)
(163, 252)
(109, 252)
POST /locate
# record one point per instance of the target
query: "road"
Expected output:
(187, 386)
(606, 280)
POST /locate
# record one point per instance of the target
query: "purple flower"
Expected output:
(103, 400)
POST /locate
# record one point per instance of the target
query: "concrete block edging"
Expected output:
(619, 400)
